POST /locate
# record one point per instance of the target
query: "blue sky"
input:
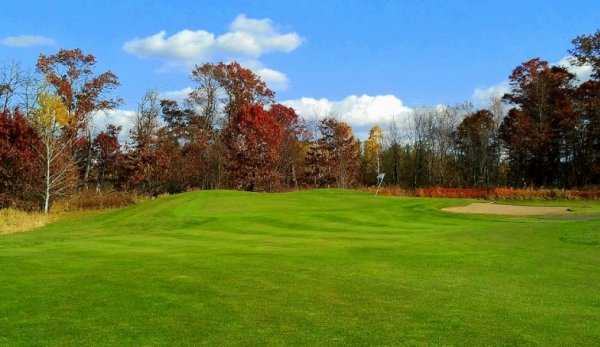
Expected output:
(419, 52)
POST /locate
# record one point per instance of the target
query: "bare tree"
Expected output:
(208, 97)
(392, 143)
(147, 120)
(10, 80)
(498, 109)
(18, 88)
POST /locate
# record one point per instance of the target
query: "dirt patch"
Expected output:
(508, 210)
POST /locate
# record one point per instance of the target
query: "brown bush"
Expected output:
(92, 200)
(491, 193)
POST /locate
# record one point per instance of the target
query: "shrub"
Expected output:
(491, 193)
(89, 199)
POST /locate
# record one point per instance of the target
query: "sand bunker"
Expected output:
(510, 210)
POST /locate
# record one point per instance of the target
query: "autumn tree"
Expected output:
(221, 92)
(586, 51)
(51, 119)
(107, 155)
(253, 140)
(168, 173)
(70, 73)
(538, 132)
(372, 155)
(587, 143)
(163, 158)
(208, 93)
(19, 167)
(292, 149)
(315, 161)
(194, 132)
(229, 86)
(478, 149)
(339, 152)
(144, 136)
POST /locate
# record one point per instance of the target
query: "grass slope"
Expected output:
(319, 267)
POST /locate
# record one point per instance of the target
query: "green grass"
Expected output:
(319, 267)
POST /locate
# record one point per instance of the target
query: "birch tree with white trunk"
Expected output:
(49, 119)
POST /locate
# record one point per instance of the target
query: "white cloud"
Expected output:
(185, 45)
(276, 80)
(123, 118)
(177, 95)
(582, 72)
(361, 112)
(26, 41)
(243, 23)
(254, 37)
(246, 40)
(481, 96)
(484, 95)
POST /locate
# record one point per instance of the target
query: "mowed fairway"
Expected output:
(321, 267)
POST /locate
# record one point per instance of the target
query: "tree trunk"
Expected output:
(294, 177)
(47, 192)
(88, 160)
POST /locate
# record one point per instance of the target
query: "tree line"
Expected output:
(230, 132)
(545, 132)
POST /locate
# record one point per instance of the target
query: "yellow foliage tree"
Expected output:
(51, 113)
(49, 119)
(372, 150)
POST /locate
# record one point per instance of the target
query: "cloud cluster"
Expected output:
(247, 40)
(26, 41)
(361, 112)
(255, 37)
(186, 45)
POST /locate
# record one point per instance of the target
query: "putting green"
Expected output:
(323, 267)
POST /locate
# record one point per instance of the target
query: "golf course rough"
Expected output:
(321, 267)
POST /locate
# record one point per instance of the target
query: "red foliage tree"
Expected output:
(70, 72)
(292, 149)
(241, 86)
(253, 140)
(586, 50)
(338, 154)
(20, 171)
(545, 121)
(108, 155)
